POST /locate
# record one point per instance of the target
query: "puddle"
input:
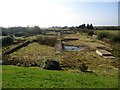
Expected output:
(74, 48)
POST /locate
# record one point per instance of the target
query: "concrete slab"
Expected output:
(105, 53)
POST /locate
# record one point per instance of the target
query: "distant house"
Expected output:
(105, 54)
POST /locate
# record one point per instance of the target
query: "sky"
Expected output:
(48, 13)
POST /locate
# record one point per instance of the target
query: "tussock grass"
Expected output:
(33, 54)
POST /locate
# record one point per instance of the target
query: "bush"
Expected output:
(83, 67)
(115, 38)
(45, 40)
(90, 33)
(101, 35)
(7, 40)
(51, 64)
(19, 34)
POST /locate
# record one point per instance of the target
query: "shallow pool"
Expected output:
(74, 48)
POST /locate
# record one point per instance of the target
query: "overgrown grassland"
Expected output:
(110, 31)
(33, 54)
(85, 40)
(21, 77)
(105, 71)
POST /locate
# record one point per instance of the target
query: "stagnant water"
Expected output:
(74, 48)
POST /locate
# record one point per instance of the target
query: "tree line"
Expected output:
(21, 31)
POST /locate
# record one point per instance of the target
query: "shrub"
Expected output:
(51, 64)
(19, 34)
(45, 40)
(101, 35)
(83, 67)
(115, 38)
(90, 33)
(7, 40)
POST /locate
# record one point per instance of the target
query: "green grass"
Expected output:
(1, 77)
(110, 31)
(24, 77)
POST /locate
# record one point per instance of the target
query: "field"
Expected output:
(21, 77)
(30, 59)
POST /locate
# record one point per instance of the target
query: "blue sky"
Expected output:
(46, 13)
(98, 13)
